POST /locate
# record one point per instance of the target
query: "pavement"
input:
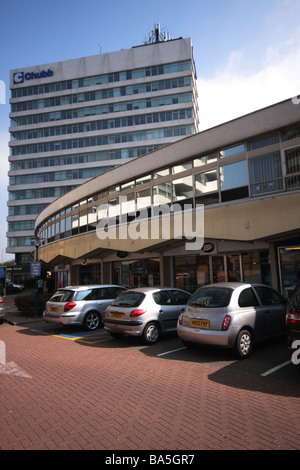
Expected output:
(116, 396)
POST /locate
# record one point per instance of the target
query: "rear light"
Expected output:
(1, 301)
(138, 312)
(180, 319)
(226, 323)
(292, 316)
(68, 306)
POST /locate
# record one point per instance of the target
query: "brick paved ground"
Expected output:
(60, 394)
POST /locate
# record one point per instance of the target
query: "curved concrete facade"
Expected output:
(245, 172)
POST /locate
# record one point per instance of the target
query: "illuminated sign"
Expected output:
(21, 77)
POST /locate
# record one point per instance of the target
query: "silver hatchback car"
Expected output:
(147, 312)
(81, 305)
(232, 315)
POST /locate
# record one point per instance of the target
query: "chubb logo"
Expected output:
(20, 77)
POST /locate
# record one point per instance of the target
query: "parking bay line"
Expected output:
(274, 369)
(170, 352)
(265, 374)
(81, 337)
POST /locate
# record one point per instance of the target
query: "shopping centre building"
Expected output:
(245, 174)
(76, 119)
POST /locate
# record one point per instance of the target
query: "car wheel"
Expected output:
(244, 344)
(151, 333)
(91, 321)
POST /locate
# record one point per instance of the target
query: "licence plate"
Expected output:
(117, 315)
(200, 323)
(53, 309)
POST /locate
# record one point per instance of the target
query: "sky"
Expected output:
(247, 52)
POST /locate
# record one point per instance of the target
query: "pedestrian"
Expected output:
(40, 285)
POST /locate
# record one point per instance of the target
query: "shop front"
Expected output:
(194, 271)
(136, 273)
(289, 263)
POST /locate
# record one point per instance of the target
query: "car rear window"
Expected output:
(211, 297)
(62, 296)
(128, 299)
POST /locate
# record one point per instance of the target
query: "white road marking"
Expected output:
(11, 368)
(170, 352)
(274, 369)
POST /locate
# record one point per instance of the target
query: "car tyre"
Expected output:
(244, 344)
(91, 321)
(151, 333)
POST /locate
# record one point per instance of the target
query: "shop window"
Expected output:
(290, 268)
(205, 160)
(161, 173)
(191, 272)
(256, 267)
(143, 199)
(292, 160)
(263, 142)
(181, 168)
(291, 134)
(92, 218)
(162, 194)
(218, 269)
(234, 175)
(233, 268)
(182, 189)
(265, 174)
(206, 182)
(232, 150)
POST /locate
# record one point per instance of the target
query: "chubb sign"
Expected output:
(21, 77)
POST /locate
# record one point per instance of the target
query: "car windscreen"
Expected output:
(128, 299)
(62, 296)
(211, 297)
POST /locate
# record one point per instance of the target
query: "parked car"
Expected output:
(81, 305)
(232, 315)
(293, 324)
(12, 288)
(148, 312)
(2, 310)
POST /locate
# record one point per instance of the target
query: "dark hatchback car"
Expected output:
(293, 324)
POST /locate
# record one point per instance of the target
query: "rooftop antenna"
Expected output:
(100, 46)
(156, 35)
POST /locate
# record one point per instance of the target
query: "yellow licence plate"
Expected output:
(53, 309)
(117, 315)
(200, 323)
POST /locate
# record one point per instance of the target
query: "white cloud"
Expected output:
(230, 93)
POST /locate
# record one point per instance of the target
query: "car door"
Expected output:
(167, 311)
(274, 310)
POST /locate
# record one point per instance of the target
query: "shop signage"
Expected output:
(21, 77)
(208, 247)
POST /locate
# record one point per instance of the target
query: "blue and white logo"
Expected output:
(20, 77)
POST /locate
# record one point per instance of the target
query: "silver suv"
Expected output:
(146, 312)
(81, 305)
